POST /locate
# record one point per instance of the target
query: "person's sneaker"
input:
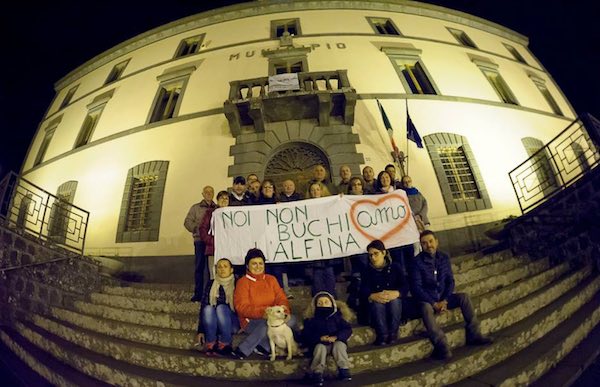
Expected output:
(380, 340)
(441, 352)
(237, 354)
(479, 340)
(392, 338)
(211, 349)
(224, 350)
(261, 351)
(344, 374)
(317, 379)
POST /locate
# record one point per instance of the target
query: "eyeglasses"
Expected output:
(268, 186)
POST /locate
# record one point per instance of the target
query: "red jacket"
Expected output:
(254, 294)
(203, 229)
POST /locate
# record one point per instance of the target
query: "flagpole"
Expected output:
(407, 170)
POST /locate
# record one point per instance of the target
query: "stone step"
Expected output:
(183, 293)
(364, 358)
(189, 321)
(184, 338)
(528, 365)
(579, 307)
(48, 370)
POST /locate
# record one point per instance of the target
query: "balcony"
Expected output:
(322, 94)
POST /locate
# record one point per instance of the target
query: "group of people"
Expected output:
(251, 191)
(385, 277)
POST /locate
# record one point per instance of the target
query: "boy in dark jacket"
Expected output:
(326, 331)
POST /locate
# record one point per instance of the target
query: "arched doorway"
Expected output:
(295, 161)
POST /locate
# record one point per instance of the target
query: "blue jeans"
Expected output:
(257, 335)
(219, 322)
(323, 278)
(385, 318)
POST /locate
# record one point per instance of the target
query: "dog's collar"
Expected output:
(275, 326)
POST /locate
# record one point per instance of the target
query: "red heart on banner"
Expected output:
(376, 203)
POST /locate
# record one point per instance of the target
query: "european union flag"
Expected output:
(411, 131)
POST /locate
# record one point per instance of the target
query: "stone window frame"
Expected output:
(545, 173)
(438, 140)
(189, 46)
(384, 23)
(116, 72)
(515, 53)
(48, 134)
(490, 71)
(90, 122)
(285, 23)
(170, 79)
(462, 37)
(68, 97)
(158, 168)
(60, 211)
(411, 56)
(541, 86)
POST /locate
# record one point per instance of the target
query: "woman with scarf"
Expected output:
(418, 203)
(217, 321)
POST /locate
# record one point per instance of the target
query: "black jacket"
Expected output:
(334, 325)
(390, 277)
(431, 278)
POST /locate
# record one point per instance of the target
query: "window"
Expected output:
(456, 169)
(87, 129)
(462, 37)
(141, 206)
(515, 53)
(279, 27)
(68, 97)
(116, 72)
(541, 85)
(49, 132)
(44, 147)
(189, 46)
(545, 179)
(490, 70)
(60, 224)
(383, 26)
(288, 67)
(167, 101)
(411, 70)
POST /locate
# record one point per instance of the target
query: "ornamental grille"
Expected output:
(140, 203)
(458, 173)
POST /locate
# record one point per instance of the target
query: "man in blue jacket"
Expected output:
(432, 284)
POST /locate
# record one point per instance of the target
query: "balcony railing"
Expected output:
(27, 208)
(558, 164)
(321, 95)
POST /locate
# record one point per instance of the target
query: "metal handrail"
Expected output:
(562, 161)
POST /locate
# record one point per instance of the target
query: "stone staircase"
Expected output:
(136, 334)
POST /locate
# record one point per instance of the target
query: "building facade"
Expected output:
(135, 133)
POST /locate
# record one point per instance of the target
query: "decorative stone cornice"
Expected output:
(251, 9)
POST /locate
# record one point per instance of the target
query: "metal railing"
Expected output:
(558, 164)
(27, 208)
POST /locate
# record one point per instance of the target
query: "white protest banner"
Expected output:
(307, 230)
(287, 81)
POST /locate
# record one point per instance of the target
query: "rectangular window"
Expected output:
(189, 46)
(87, 129)
(462, 37)
(68, 97)
(280, 27)
(116, 72)
(513, 51)
(541, 85)
(414, 76)
(383, 26)
(140, 203)
(458, 173)
(500, 86)
(166, 105)
(44, 147)
(288, 67)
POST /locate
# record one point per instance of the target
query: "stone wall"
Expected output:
(567, 226)
(42, 284)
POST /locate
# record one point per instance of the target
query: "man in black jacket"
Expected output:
(432, 284)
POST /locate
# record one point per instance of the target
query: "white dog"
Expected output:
(279, 333)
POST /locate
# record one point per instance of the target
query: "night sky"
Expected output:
(42, 43)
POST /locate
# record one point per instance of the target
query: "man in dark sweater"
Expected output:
(432, 284)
